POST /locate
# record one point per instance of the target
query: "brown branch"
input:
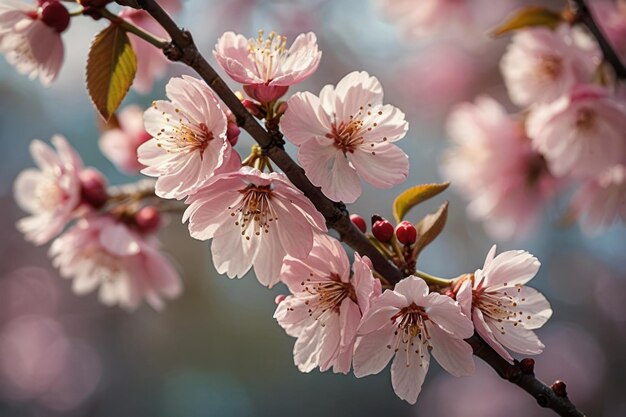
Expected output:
(522, 375)
(184, 50)
(583, 14)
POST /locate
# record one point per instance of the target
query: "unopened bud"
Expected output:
(279, 298)
(232, 133)
(382, 230)
(406, 233)
(527, 366)
(358, 222)
(93, 188)
(148, 219)
(55, 15)
(253, 108)
(559, 388)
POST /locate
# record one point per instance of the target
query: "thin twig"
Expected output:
(184, 50)
(547, 397)
(584, 15)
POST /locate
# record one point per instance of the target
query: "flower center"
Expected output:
(181, 136)
(411, 325)
(267, 54)
(346, 136)
(104, 266)
(327, 296)
(254, 213)
(585, 119)
(550, 67)
(49, 195)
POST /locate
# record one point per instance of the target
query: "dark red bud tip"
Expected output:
(382, 230)
(148, 219)
(358, 222)
(406, 233)
(559, 388)
(279, 298)
(55, 15)
(527, 366)
(93, 188)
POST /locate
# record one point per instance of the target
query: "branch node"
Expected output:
(560, 388)
(276, 141)
(542, 400)
(173, 52)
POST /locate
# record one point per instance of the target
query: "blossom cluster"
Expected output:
(258, 220)
(571, 134)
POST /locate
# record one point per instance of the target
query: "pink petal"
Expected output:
(304, 119)
(382, 165)
(371, 353)
(406, 379)
(453, 354)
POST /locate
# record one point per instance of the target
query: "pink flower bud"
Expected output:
(148, 219)
(264, 93)
(279, 298)
(232, 133)
(93, 188)
(55, 15)
(358, 222)
(382, 230)
(406, 233)
(253, 108)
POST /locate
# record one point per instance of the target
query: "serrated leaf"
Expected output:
(528, 17)
(111, 68)
(414, 196)
(429, 228)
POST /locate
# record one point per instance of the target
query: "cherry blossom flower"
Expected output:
(426, 17)
(189, 139)
(254, 219)
(494, 166)
(120, 144)
(30, 37)
(504, 311)
(326, 306)
(49, 193)
(345, 133)
(601, 201)
(410, 323)
(100, 251)
(581, 133)
(151, 62)
(265, 66)
(540, 64)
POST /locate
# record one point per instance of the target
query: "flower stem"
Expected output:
(431, 279)
(137, 31)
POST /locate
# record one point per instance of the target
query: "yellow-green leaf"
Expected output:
(111, 68)
(528, 17)
(413, 196)
(429, 228)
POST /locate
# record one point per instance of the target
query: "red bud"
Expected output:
(55, 15)
(406, 233)
(148, 219)
(382, 230)
(358, 222)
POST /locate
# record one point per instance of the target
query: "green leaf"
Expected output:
(413, 196)
(111, 68)
(528, 17)
(429, 228)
